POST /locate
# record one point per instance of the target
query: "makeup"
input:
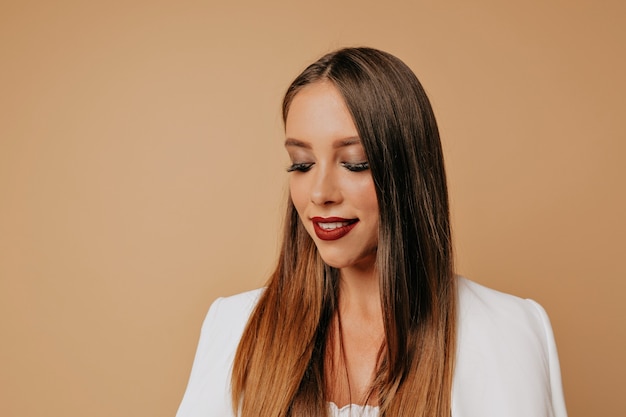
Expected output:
(332, 228)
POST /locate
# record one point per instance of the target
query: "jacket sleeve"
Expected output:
(208, 389)
(208, 392)
(556, 387)
(507, 364)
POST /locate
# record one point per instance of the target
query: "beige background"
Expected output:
(141, 176)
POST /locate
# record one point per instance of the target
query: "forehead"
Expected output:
(318, 110)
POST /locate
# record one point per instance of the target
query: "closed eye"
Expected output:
(358, 167)
(300, 167)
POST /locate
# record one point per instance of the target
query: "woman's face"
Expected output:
(330, 182)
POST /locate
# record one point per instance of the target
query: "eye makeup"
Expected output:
(356, 167)
(300, 167)
(344, 151)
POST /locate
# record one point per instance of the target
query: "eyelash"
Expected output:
(300, 167)
(304, 167)
(361, 166)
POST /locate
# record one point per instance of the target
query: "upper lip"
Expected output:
(318, 219)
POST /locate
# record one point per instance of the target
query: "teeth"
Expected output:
(332, 226)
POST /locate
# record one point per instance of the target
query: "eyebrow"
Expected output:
(341, 143)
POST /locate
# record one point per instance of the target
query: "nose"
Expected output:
(325, 188)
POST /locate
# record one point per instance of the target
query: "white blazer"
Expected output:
(506, 364)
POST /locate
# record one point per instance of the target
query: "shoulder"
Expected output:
(506, 356)
(208, 389)
(237, 307)
(228, 316)
(487, 317)
(485, 306)
(490, 321)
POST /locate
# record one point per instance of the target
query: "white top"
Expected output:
(353, 410)
(506, 364)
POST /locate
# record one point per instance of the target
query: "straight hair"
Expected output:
(279, 365)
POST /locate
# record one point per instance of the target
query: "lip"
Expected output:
(335, 233)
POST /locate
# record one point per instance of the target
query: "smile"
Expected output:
(332, 228)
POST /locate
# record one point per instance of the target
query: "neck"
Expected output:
(356, 339)
(359, 295)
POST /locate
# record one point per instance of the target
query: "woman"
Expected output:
(363, 314)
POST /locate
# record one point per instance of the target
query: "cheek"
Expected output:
(372, 200)
(364, 194)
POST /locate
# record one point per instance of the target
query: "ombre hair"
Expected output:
(279, 365)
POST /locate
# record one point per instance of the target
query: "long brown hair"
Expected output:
(279, 365)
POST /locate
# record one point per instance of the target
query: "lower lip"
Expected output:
(333, 234)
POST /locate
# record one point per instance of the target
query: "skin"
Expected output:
(329, 177)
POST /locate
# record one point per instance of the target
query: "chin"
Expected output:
(332, 262)
(341, 262)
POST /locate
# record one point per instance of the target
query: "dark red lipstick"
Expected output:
(332, 228)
